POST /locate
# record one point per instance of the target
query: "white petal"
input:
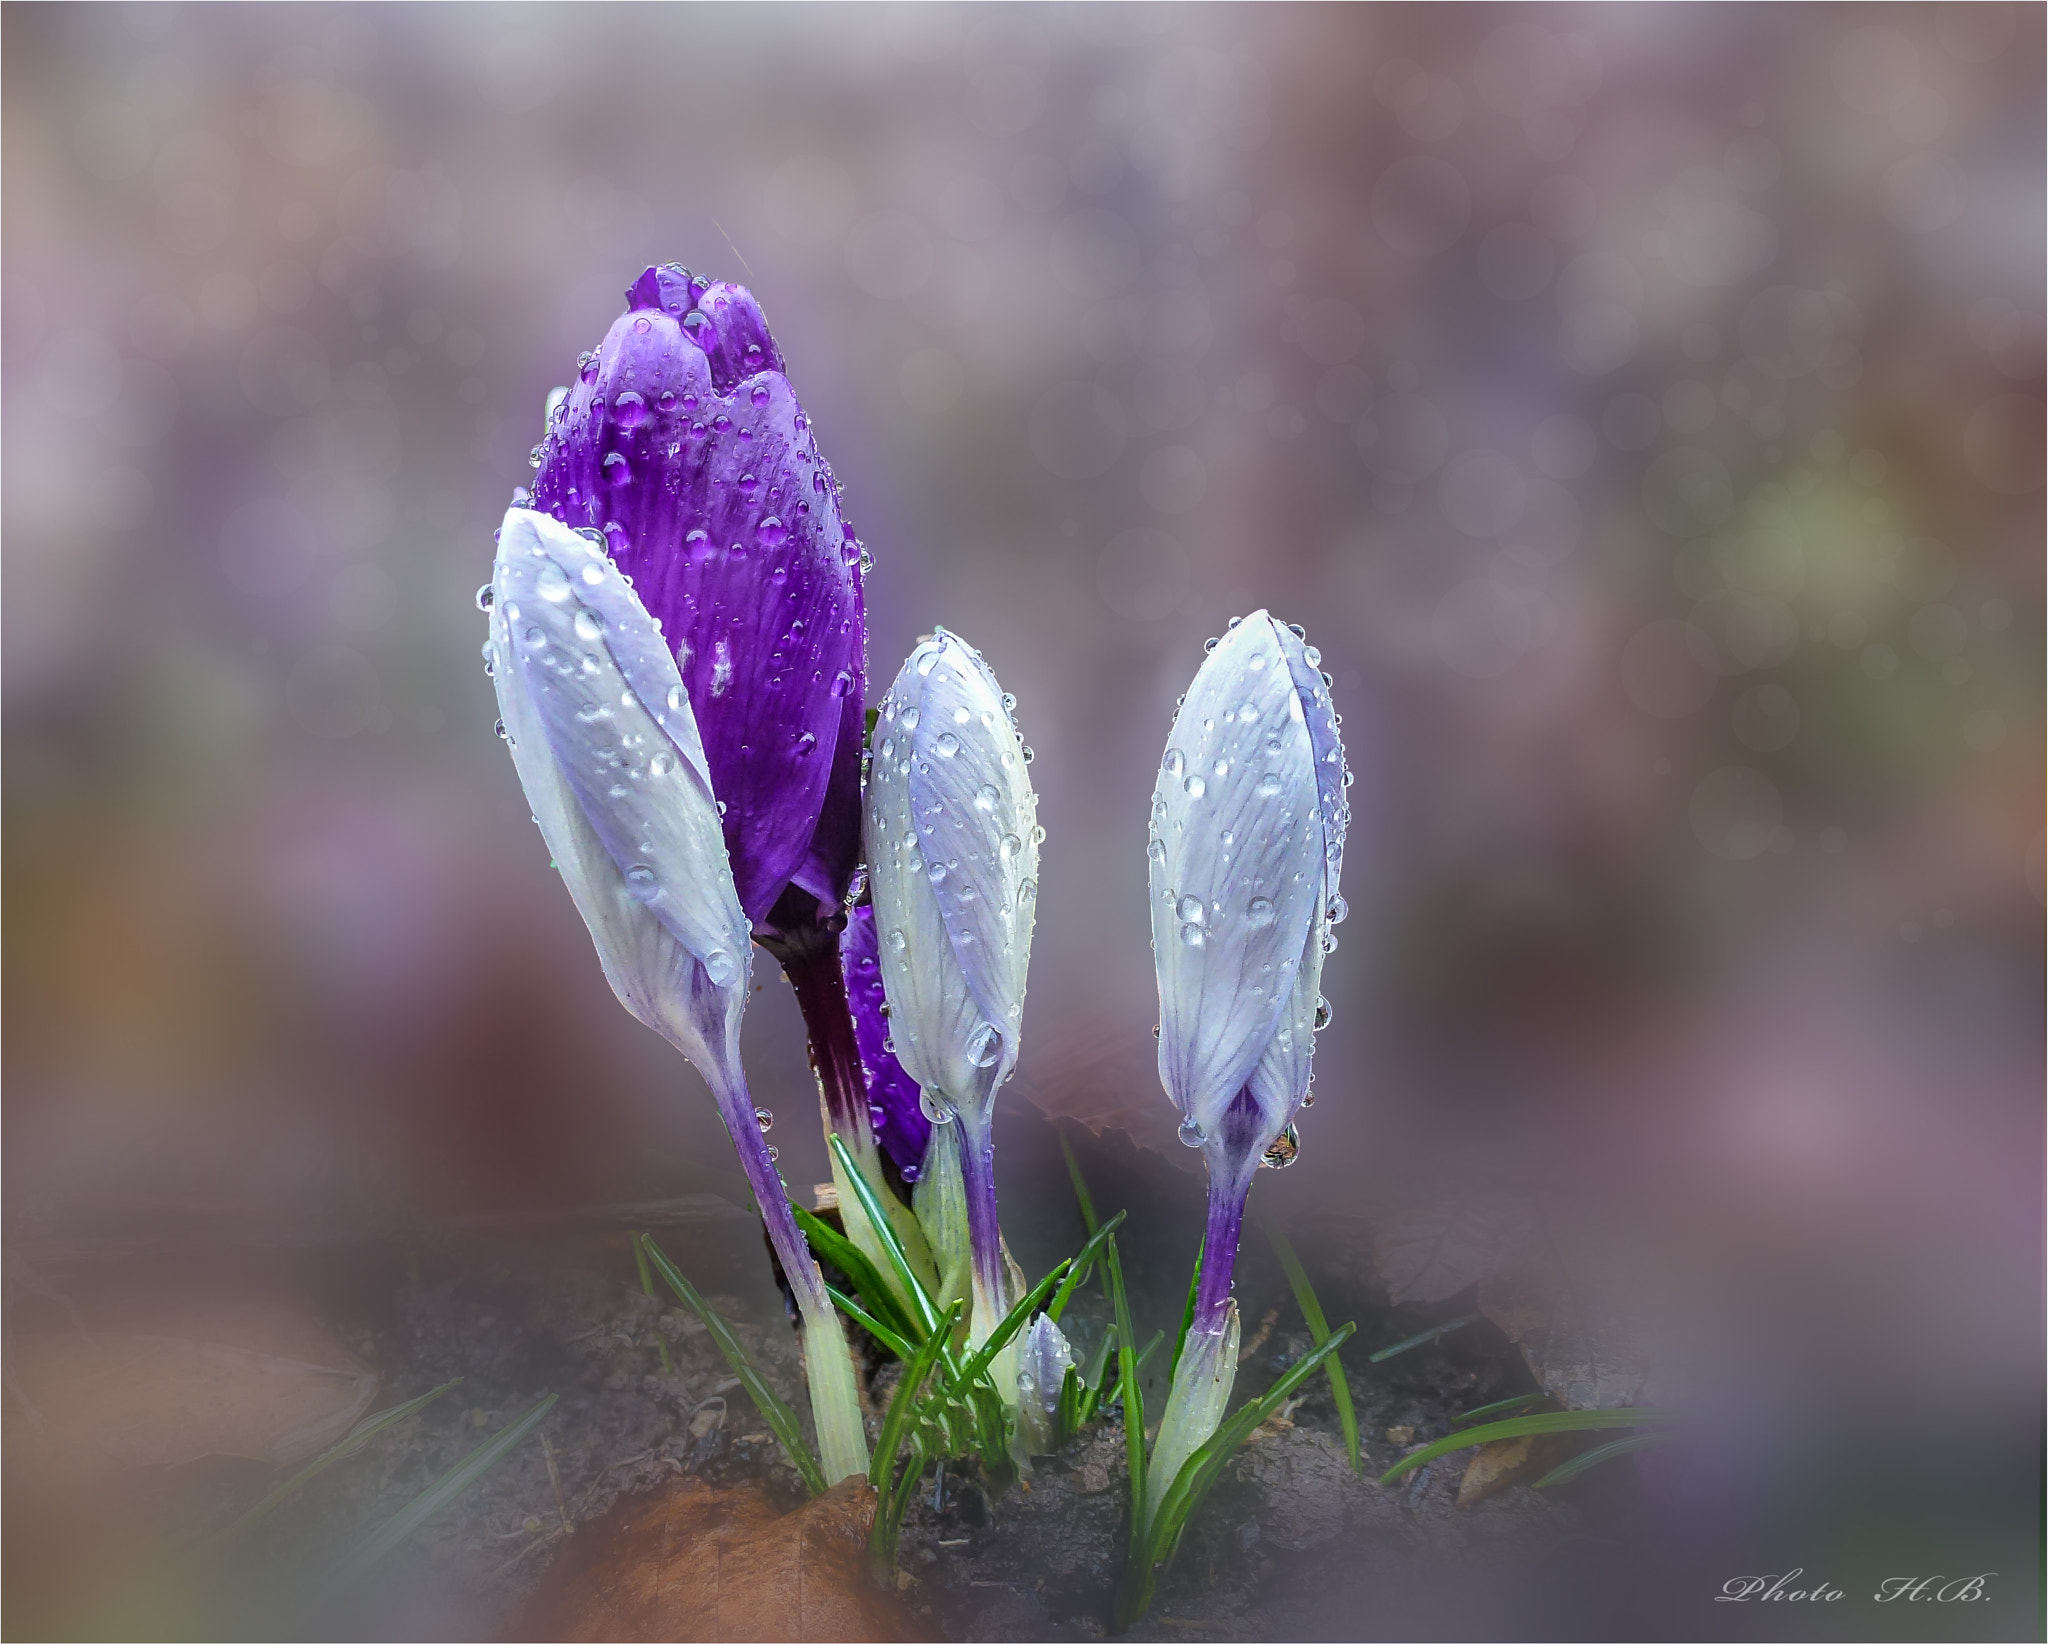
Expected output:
(607, 749)
(1237, 855)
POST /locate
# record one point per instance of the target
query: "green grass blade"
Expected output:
(1085, 1258)
(357, 1437)
(1423, 1337)
(668, 1366)
(1562, 1421)
(1599, 1453)
(979, 1360)
(1127, 1377)
(896, 1425)
(442, 1491)
(1187, 1317)
(835, 1247)
(779, 1417)
(878, 1219)
(872, 1325)
(1202, 1468)
(1319, 1329)
(1095, 1382)
(1081, 1193)
(1500, 1407)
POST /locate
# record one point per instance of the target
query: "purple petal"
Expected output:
(684, 444)
(901, 1129)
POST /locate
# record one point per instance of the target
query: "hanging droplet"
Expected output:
(1259, 911)
(1322, 1013)
(764, 1119)
(721, 968)
(484, 596)
(500, 732)
(1192, 1134)
(1285, 1150)
(1339, 910)
(641, 883)
(932, 1110)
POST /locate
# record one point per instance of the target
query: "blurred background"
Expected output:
(1641, 407)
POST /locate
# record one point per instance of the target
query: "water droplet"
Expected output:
(910, 1173)
(1028, 755)
(498, 730)
(1309, 1100)
(533, 457)
(588, 624)
(1285, 1150)
(947, 745)
(721, 968)
(1259, 911)
(1220, 769)
(985, 1046)
(774, 1153)
(896, 940)
(1191, 936)
(1269, 786)
(641, 883)
(484, 596)
(1190, 909)
(1038, 836)
(1329, 941)
(1174, 763)
(536, 639)
(1313, 655)
(932, 1109)
(660, 765)
(908, 719)
(677, 697)
(1192, 1134)
(1297, 630)
(1155, 850)
(1211, 644)
(772, 531)
(1322, 1013)
(936, 873)
(986, 797)
(1196, 787)
(764, 1119)
(617, 470)
(1155, 1030)
(1011, 847)
(1339, 910)
(629, 408)
(551, 584)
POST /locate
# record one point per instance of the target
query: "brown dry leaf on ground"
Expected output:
(1495, 1466)
(696, 1563)
(179, 1379)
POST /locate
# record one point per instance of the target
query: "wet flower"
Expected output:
(1042, 1366)
(953, 856)
(900, 1128)
(607, 746)
(1247, 841)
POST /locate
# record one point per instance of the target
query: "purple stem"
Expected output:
(736, 1108)
(809, 956)
(1230, 1184)
(984, 1236)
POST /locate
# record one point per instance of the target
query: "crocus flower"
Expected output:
(610, 753)
(953, 858)
(1247, 840)
(682, 443)
(1042, 1368)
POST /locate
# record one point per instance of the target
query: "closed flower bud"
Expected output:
(952, 842)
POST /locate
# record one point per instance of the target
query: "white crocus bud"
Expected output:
(608, 751)
(952, 840)
(1247, 839)
(1042, 1367)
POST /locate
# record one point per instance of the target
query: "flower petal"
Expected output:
(900, 1127)
(1237, 857)
(607, 748)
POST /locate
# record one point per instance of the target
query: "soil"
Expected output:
(1291, 1544)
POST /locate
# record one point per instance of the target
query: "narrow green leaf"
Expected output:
(1563, 1421)
(1205, 1465)
(1499, 1407)
(1319, 1328)
(357, 1437)
(779, 1417)
(872, 1325)
(1599, 1453)
(878, 1219)
(668, 1366)
(1095, 1383)
(1085, 1258)
(897, 1424)
(1081, 1193)
(1127, 1377)
(835, 1247)
(1423, 1337)
(979, 1360)
(441, 1492)
(1187, 1317)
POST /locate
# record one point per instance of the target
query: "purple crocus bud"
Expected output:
(1247, 840)
(900, 1127)
(683, 443)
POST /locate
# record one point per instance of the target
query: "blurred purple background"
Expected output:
(1641, 406)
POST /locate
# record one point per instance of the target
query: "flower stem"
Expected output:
(984, 1236)
(828, 1363)
(1228, 1190)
